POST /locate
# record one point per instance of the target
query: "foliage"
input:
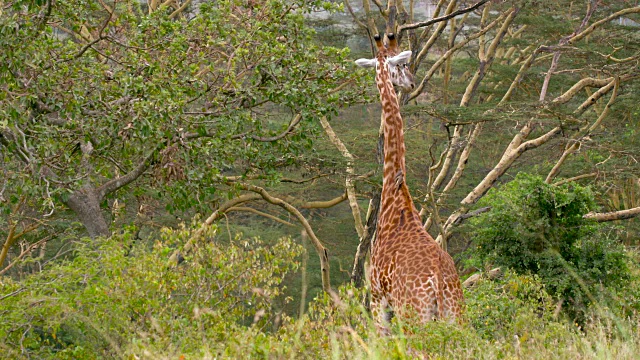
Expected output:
(537, 228)
(118, 297)
(94, 94)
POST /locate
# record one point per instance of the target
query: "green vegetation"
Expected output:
(122, 121)
(118, 299)
(537, 228)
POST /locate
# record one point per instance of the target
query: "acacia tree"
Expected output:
(169, 101)
(558, 75)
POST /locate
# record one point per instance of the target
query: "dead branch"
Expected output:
(473, 279)
(323, 254)
(574, 143)
(591, 7)
(364, 243)
(614, 215)
(349, 181)
(575, 178)
(258, 212)
(442, 18)
(186, 248)
(464, 217)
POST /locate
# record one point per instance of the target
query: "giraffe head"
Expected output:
(389, 59)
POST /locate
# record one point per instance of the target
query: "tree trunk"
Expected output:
(86, 204)
(357, 274)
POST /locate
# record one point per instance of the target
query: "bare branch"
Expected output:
(349, 181)
(586, 82)
(575, 178)
(364, 243)
(574, 144)
(324, 204)
(614, 215)
(176, 255)
(591, 7)
(258, 212)
(507, 160)
(472, 214)
(489, 55)
(320, 249)
(442, 18)
(449, 53)
(513, 152)
(593, 26)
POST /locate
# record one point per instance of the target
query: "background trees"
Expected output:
(118, 111)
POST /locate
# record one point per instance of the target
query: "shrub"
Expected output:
(537, 228)
(117, 297)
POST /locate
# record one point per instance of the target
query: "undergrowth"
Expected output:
(121, 299)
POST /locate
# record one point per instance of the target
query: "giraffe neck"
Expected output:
(394, 149)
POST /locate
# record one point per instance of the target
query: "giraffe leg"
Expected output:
(380, 311)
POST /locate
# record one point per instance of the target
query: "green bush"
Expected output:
(117, 297)
(537, 228)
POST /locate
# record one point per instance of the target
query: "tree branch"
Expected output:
(574, 144)
(349, 179)
(320, 249)
(450, 52)
(442, 18)
(591, 7)
(614, 215)
(325, 204)
(119, 182)
(575, 178)
(258, 212)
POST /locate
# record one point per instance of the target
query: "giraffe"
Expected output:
(409, 271)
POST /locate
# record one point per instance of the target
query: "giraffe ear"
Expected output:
(401, 58)
(366, 63)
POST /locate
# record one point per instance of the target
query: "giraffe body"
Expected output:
(410, 272)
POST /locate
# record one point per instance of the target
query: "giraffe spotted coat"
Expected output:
(410, 272)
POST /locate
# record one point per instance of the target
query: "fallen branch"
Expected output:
(473, 279)
(613, 215)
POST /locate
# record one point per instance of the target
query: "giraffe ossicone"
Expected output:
(409, 272)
